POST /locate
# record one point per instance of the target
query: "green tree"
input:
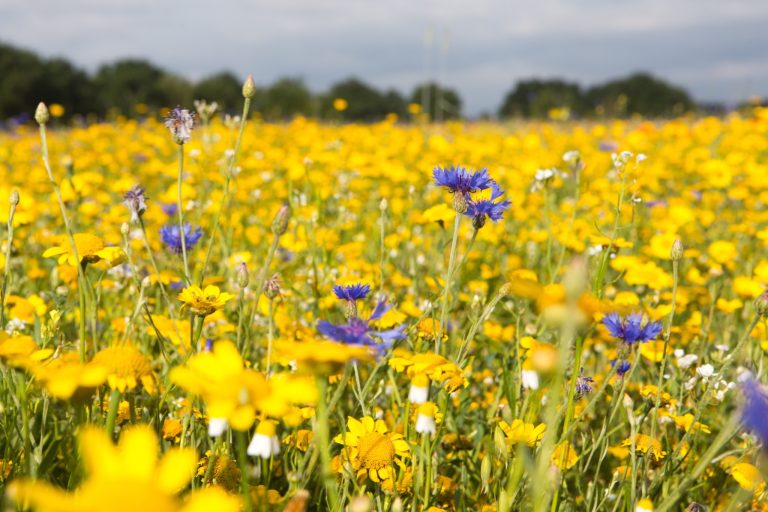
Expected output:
(442, 103)
(535, 98)
(224, 88)
(126, 83)
(284, 99)
(364, 103)
(640, 93)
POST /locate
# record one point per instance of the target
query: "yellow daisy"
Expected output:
(90, 249)
(204, 302)
(371, 450)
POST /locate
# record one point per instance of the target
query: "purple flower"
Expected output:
(180, 122)
(135, 200)
(583, 384)
(622, 367)
(461, 180)
(172, 238)
(630, 330)
(478, 211)
(359, 332)
(170, 209)
(755, 409)
(352, 292)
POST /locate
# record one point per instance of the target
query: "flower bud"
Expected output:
(695, 507)
(280, 222)
(41, 114)
(761, 304)
(383, 204)
(459, 203)
(249, 87)
(272, 286)
(14, 197)
(506, 290)
(146, 282)
(677, 250)
(125, 229)
(242, 275)
(485, 472)
(500, 443)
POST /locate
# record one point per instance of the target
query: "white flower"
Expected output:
(544, 174)
(264, 443)
(425, 421)
(570, 156)
(216, 426)
(418, 394)
(685, 361)
(706, 371)
(530, 379)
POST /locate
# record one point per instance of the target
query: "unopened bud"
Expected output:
(505, 290)
(14, 197)
(280, 223)
(677, 250)
(349, 308)
(500, 444)
(125, 228)
(249, 87)
(695, 507)
(146, 282)
(383, 204)
(761, 304)
(242, 275)
(478, 221)
(459, 203)
(41, 113)
(485, 472)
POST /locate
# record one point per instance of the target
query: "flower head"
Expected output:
(204, 302)
(126, 477)
(371, 449)
(461, 180)
(358, 331)
(352, 292)
(135, 200)
(755, 409)
(180, 122)
(90, 249)
(171, 236)
(583, 384)
(481, 209)
(630, 329)
(126, 367)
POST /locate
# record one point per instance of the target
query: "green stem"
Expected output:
(448, 276)
(114, 404)
(242, 459)
(181, 215)
(323, 444)
(7, 274)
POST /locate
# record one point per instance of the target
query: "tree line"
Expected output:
(136, 87)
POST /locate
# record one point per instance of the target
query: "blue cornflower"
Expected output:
(479, 210)
(358, 331)
(755, 410)
(352, 292)
(461, 180)
(630, 330)
(622, 367)
(170, 209)
(172, 239)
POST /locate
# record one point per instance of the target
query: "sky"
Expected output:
(716, 49)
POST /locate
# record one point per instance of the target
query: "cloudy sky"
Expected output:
(718, 49)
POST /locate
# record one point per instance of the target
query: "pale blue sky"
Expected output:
(715, 48)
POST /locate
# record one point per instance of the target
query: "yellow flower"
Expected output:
(647, 446)
(522, 432)
(319, 356)
(65, 377)
(371, 450)
(126, 367)
(204, 302)
(644, 505)
(340, 104)
(126, 478)
(748, 477)
(564, 456)
(434, 366)
(235, 393)
(90, 249)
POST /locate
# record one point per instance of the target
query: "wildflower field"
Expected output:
(211, 313)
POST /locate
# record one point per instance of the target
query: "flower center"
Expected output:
(376, 450)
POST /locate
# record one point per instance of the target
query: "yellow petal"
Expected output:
(176, 469)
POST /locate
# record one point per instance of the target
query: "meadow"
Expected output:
(205, 312)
